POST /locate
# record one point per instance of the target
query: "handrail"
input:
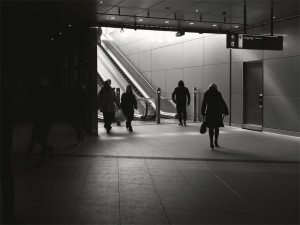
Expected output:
(133, 67)
(117, 81)
(138, 75)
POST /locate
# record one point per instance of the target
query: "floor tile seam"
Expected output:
(81, 191)
(165, 212)
(119, 203)
(254, 209)
(173, 158)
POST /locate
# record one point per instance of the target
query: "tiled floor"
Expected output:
(159, 174)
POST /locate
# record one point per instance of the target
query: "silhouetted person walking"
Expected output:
(78, 109)
(213, 109)
(41, 113)
(128, 104)
(106, 101)
(181, 97)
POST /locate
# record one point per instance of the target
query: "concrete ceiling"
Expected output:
(210, 16)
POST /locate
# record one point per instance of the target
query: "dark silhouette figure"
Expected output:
(78, 110)
(128, 104)
(106, 102)
(41, 113)
(213, 109)
(181, 97)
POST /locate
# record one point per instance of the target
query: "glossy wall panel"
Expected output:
(237, 109)
(193, 53)
(237, 78)
(173, 54)
(280, 77)
(145, 61)
(282, 113)
(215, 51)
(218, 74)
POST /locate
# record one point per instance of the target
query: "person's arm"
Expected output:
(188, 96)
(225, 111)
(173, 96)
(134, 102)
(203, 107)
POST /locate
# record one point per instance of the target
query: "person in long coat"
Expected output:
(107, 99)
(128, 104)
(213, 110)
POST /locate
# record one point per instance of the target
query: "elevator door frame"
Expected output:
(256, 127)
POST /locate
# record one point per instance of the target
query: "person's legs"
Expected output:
(211, 137)
(110, 119)
(184, 115)
(216, 136)
(179, 113)
(129, 119)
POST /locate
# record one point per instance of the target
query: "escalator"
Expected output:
(140, 85)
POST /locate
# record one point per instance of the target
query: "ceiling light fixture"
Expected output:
(70, 25)
(236, 26)
(101, 2)
(167, 21)
(112, 18)
(214, 25)
(141, 20)
(197, 10)
(191, 23)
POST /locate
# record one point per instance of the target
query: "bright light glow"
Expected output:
(112, 18)
(60, 33)
(214, 25)
(70, 25)
(101, 2)
(141, 20)
(167, 21)
(191, 23)
(52, 39)
(197, 10)
(236, 26)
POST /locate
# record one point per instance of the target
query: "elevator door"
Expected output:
(253, 96)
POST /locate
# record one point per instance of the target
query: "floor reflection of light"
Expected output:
(112, 138)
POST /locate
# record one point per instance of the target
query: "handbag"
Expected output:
(203, 127)
(120, 115)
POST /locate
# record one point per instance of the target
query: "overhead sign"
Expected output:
(259, 42)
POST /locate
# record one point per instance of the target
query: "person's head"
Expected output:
(128, 89)
(109, 81)
(180, 83)
(213, 86)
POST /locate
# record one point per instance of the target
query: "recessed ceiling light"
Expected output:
(214, 25)
(197, 10)
(70, 25)
(191, 23)
(141, 20)
(167, 21)
(236, 26)
(274, 17)
(52, 39)
(112, 18)
(60, 33)
(101, 2)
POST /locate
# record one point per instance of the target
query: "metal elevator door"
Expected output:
(253, 95)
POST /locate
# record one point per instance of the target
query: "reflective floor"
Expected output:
(159, 174)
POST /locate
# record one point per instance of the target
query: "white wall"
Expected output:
(199, 60)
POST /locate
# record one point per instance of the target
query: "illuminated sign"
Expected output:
(259, 42)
